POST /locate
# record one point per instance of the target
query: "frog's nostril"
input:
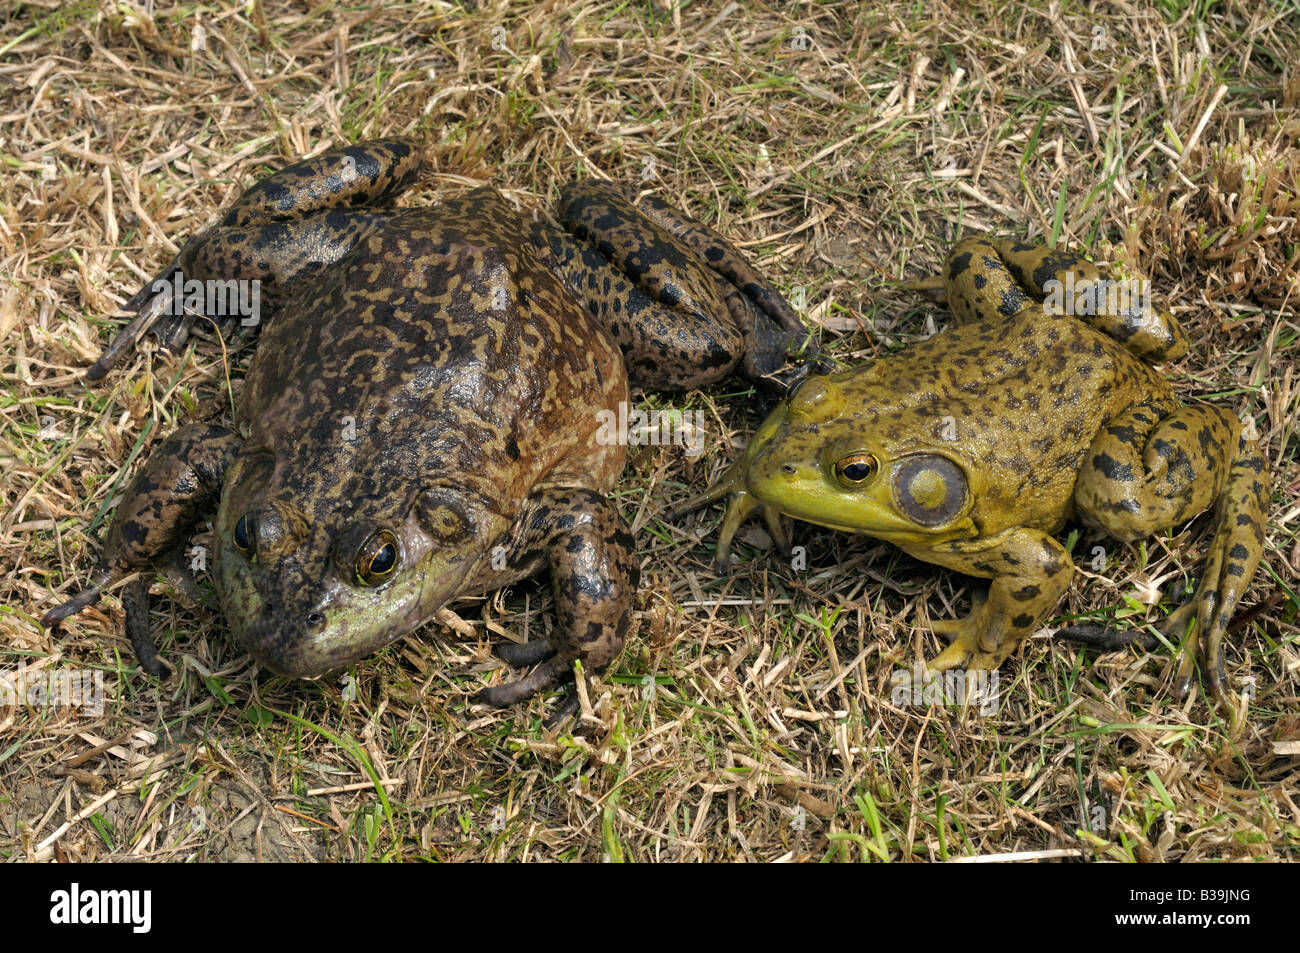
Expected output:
(314, 619)
(787, 468)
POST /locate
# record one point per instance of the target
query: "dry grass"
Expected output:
(750, 717)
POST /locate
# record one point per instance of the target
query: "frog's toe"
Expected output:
(155, 311)
(950, 630)
(522, 655)
(774, 386)
(1099, 638)
(538, 680)
(965, 653)
(86, 597)
(957, 655)
(947, 629)
(971, 645)
(1185, 622)
(135, 602)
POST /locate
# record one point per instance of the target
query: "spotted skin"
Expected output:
(971, 448)
(422, 418)
(590, 554)
(985, 278)
(175, 489)
(654, 241)
(302, 204)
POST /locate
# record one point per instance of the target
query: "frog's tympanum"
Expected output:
(422, 417)
(971, 448)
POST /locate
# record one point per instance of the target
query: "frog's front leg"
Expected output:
(1030, 572)
(684, 305)
(1154, 467)
(281, 231)
(594, 576)
(176, 489)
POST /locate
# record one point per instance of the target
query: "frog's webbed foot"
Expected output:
(135, 603)
(155, 312)
(1180, 624)
(285, 228)
(1234, 554)
(522, 656)
(973, 642)
(1152, 468)
(1180, 627)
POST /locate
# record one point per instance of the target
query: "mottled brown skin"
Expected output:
(424, 399)
(971, 448)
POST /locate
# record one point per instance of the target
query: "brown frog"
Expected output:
(422, 418)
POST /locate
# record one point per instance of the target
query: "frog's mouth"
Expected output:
(344, 623)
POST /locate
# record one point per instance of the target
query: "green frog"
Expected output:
(423, 417)
(972, 448)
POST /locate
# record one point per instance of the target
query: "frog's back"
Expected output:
(1022, 398)
(440, 345)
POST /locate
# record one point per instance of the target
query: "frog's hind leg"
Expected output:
(659, 348)
(775, 324)
(594, 576)
(983, 278)
(236, 274)
(700, 309)
(1147, 472)
(367, 174)
(1069, 283)
(283, 229)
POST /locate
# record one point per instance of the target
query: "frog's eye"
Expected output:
(244, 535)
(378, 558)
(855, 469)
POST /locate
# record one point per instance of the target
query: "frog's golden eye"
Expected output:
(244, 535)
(378, 558)
(855, 469)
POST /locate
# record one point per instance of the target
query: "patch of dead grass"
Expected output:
(751, 716)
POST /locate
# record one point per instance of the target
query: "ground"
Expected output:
(844, 146)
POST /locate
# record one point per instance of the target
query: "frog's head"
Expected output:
(814, 460)
(308, 589)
